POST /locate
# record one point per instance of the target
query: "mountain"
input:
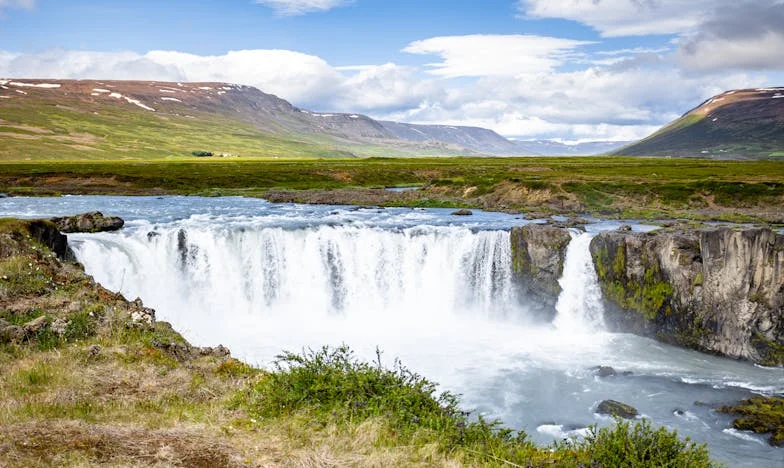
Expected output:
(95, 119)
(738, 124)
(554, 148)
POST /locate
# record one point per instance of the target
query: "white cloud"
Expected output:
(626, 17)
(299, 77)
(622, 101)
(743, 36)
(493, 55)
(301, 7)
(765, 52)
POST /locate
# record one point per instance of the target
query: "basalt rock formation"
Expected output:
(538, 254)
(94, 221)
(719, 291)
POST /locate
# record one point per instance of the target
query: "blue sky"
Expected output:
(563, 69)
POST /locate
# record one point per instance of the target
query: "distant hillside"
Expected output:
(94, 119)
(746, 123)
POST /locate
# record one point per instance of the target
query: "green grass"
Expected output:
(606, 186)
(93, 131)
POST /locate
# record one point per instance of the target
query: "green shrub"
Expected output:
(80, 326)
(640, 445)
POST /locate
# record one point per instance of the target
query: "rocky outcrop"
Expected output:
(720, 291)
(617, 409)
(538, 254)
(94, 221)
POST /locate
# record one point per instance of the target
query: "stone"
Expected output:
(48, 234)
(34, 326)
(93, 221)
(462, 213)
(140, 315)
(3, 325)
(625, 228)
(605, 371)
(13, 334)
(59, 326)
(93, 351)
(616, 408)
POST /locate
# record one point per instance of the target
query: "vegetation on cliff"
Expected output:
(762, 415)
(89, 378)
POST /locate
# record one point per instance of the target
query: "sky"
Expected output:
(570, 70)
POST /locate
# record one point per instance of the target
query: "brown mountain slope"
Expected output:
(747, 123)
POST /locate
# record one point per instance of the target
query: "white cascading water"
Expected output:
(428, 273)
(579, 306)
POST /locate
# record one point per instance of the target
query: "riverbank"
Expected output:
(89, 378)
(631, 188)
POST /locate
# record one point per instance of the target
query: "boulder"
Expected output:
(13, 334)
(462, 213)
(94, 221)
(59, 326)
(616, 408)
(605, 371)
(49, 234)
(34, 326)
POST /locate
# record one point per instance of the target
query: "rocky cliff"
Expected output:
(538, 254)
(719, 291)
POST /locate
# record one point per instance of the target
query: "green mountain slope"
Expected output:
(738, 124)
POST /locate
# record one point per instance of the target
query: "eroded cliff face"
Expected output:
(538, 254)
(720, 291)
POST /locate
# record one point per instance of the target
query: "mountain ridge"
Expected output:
(736, 124)
(344, 134)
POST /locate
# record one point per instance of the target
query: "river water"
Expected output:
(432, 289)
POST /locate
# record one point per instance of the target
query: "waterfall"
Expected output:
(425, 273)
(579, 306)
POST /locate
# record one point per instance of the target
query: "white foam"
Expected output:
(556, 431)
(170, 99)
(205, 88)
(743, 435)
(101, 90)
(170, 91)
(20, 91)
